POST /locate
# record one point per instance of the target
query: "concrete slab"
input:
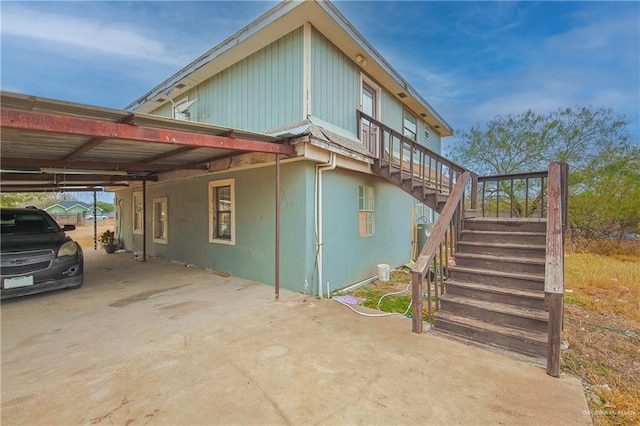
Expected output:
(160, 343)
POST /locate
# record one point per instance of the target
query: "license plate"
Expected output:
(18, 282)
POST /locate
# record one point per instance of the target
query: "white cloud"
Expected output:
(91, 36)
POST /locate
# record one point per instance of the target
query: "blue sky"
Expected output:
(470, 60)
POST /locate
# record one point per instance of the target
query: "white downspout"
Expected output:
(331, 165)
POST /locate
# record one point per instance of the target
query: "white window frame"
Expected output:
(427, 131)
(138, 211)
(213, 212)
(405, 129)
(366, 80)
(163, 201)
(366, 211)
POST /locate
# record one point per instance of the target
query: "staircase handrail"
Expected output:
(554, 265)
(452, 212)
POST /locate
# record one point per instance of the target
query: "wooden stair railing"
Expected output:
(432, 263)
(420, 172)
(554, 267)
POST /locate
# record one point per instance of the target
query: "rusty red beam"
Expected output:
(67, 125)
(37, 163)
(58, 178)
(84, 148)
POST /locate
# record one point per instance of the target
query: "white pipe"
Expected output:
(331, 165)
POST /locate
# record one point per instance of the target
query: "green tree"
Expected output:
(605, 195)
(530, 141)
(603, 163)
(106, 207)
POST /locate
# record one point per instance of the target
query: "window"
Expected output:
(366, 208)
(160, 220)
(410, 125)
(427, 136)
(222, 226)
(137, 213)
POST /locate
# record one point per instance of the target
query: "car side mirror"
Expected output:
(68, 227)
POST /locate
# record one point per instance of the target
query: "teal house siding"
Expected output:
(55, 210)
(259, 93)
(253, 255)
(348, 258)
(335, 84)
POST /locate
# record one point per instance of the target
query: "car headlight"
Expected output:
(70, 248)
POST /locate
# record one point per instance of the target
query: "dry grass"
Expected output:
(602, 326)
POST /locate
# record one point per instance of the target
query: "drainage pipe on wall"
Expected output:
(320, 168)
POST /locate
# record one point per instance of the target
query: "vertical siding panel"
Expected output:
(261, 92)
(335, 84)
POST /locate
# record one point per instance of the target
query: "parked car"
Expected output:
(36, 254)
(100, 217)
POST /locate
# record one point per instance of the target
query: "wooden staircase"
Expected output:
(495, 292)
(505, 286)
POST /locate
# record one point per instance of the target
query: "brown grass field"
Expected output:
(602, 326)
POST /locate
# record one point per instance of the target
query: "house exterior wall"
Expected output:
(335, 84)
(252, 257)
(55, 210)
(336, 90)
(347, 257)
(259, 93)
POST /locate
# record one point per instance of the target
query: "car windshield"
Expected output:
(27, 223)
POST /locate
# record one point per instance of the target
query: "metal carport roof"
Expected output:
(56, 145)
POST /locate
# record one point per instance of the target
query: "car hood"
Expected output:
(12, 242)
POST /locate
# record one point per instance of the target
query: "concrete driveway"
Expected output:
(160, 343)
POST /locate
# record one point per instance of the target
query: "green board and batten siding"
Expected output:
(252, 256)
(259, 93)
(336, 91)
(335, 84)
(348, 258)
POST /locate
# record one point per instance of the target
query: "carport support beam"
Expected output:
(95, 220)
(144, 220)
(277, 226)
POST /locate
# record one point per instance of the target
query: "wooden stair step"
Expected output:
(503, 245)
(531, 343)
(523, 293)
(503, 263)
(508, 259)
(502, 308)
(514, 275)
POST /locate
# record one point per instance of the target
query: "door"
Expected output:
(369, 129)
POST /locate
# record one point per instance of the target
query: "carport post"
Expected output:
(277, 226)
(144, 220)
(95, 221)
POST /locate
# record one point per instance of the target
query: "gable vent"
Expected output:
(402, 95)
(180, 86)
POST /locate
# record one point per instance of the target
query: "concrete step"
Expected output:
(531, 343)
(515, 280)
(501, 263)
(532, 251)
(517, 297)
(496, 312)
